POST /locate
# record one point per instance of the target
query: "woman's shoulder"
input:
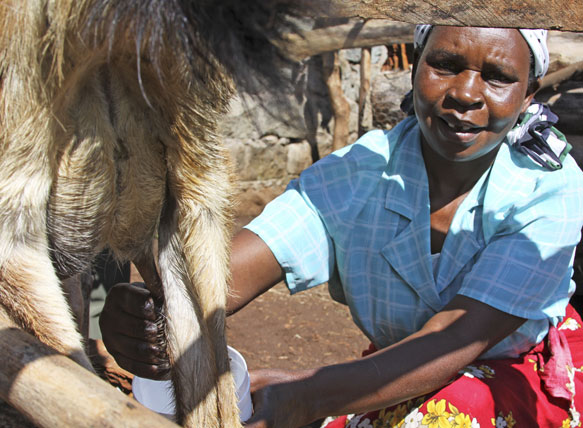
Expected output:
(518, 192)
(348, 177)
(373, 150)
(538, 153)
(517, 173)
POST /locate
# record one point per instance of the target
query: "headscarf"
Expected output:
(536, 40)
(534, 135)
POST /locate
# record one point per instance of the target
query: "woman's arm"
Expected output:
(254, 270)
(128, 318)
(419, 364)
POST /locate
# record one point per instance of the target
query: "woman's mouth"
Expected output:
(462, 132)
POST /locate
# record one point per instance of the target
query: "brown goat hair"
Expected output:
(108, 115)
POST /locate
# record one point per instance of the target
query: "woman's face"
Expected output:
(469, 88)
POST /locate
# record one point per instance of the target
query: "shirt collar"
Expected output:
(408, 190)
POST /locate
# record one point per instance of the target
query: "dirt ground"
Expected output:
(305, 330)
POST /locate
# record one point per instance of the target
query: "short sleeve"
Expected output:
(304, 226)
(293, 230)
(526, 267)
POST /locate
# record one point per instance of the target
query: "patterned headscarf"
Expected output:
(536, 40)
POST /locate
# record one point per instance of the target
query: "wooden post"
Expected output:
(403, 57)
(353, 34)
(364, 105)
(561, 75)
(565, 15)
(53, 391)
(340, 106)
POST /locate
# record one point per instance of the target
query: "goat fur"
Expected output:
(108, 117)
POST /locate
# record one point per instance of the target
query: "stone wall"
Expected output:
(279, 133)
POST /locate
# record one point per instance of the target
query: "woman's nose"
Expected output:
(465, 90)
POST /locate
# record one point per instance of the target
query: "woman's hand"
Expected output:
(280, 399)
(130, 334)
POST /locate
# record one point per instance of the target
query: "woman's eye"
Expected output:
(446, 66)
(498, 78)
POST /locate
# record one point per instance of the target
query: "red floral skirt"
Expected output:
(534, 390)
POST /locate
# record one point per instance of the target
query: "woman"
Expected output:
(450, 238)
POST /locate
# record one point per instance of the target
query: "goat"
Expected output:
(108, 118)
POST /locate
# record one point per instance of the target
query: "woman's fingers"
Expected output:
(276, 400)
(133, 299)
(258, 379)
(143, 369)
(130, 332)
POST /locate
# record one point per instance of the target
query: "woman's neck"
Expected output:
(448, 180)
(449, 184)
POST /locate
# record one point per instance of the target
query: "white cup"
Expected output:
(242, 383)
(157, 395)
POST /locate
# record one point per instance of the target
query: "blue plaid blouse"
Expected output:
(359, 220)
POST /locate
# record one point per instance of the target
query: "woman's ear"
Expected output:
(530, 93)
(407, 105)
